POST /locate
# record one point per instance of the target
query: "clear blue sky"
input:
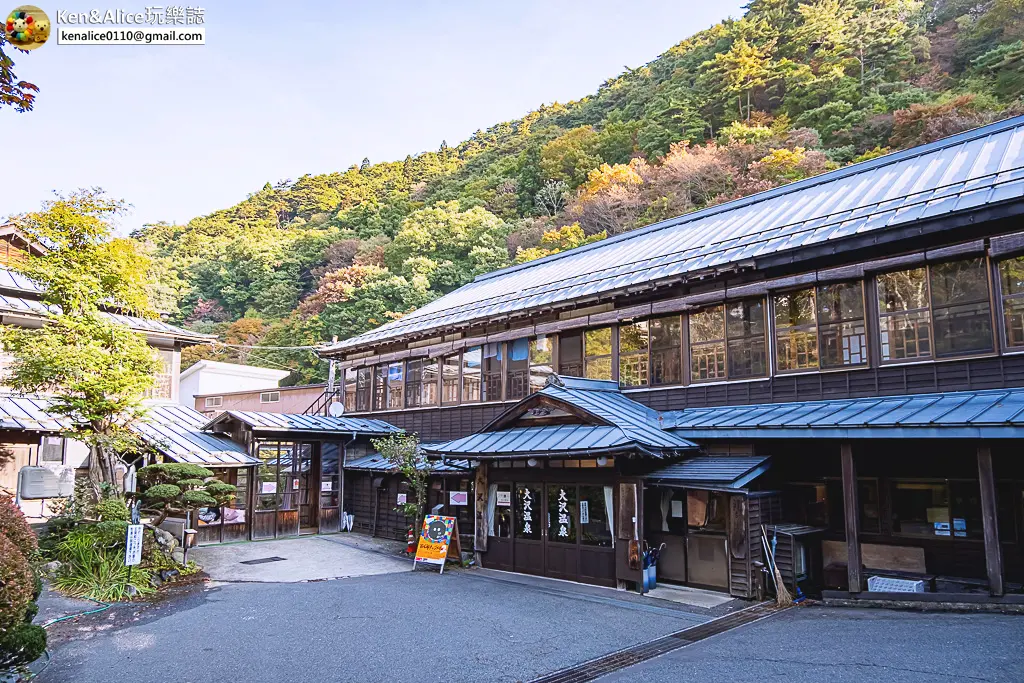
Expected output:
(280, 91)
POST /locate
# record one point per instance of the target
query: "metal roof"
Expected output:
(627, 425)
(729, 472)
(995, 413)
(29, 413)
(967, 171)
(31, 305)
(292, 422)
(177, 432)
(375, 462)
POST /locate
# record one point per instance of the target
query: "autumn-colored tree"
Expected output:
(13, 92)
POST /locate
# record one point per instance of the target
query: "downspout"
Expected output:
(341, 475)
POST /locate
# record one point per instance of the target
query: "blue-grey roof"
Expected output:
(375, 462)
(627, 425)
(966, 414)
(718, 472)
(288, 422)
(957, 174)
(29, 304)
(177, 432)
(29, 413)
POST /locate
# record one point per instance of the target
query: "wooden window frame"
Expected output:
(644, 354)
(458, 378)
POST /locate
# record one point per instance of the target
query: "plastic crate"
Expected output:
(883, 584)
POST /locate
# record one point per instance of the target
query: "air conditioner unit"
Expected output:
(36, 482)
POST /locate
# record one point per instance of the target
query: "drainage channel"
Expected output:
(595, 668)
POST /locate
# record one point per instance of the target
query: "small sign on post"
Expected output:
(133, 547)
(436, 541)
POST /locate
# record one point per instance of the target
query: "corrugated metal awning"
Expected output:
(29, 413)
(375, 462)
(712, 472)
(995, 414)
(176, 432)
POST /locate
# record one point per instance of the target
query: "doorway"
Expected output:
(288, 477)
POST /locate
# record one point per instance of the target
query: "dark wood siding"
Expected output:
(762, 508)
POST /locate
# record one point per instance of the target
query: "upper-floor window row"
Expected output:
(927, 312)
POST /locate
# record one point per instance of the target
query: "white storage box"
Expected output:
(883, 584)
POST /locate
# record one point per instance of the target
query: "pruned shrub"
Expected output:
(17, 584)
(113, 509)
(15, 527)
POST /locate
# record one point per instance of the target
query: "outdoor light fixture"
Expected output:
(532, 462)
(602, 461)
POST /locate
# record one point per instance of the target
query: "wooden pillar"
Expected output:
(480, 530)
(990, 521)
(851, 510)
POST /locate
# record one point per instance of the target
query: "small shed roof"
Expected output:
(608, 421)
(997, 413)
(309, 424)
(177, 432)
(714, 472)
(29, 413)
(941, 180)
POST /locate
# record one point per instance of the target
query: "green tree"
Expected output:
(96, 369)
(179, 488)
(402, 452)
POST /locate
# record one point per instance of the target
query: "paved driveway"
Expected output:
(309, 558)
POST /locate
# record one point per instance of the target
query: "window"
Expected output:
(939, 311)
(499, 510)
(707, 510)
(921, 509)
(394, 386)
(421, 382)
(707, 344)
(562, 517)
(597, 347)
(364, 388)
(1011, 285)
(666, 339)
(841, 329)
(905, 322)
(796, 334)
(541, 348)
(350, 389)
(961, 311)
(528, 511)
(471, 382)
(820, 328)
(570, 354)
(744, 329)
(634, 350)
(214, 401)
(517, 369)
(491, 375)
(163, 387)
(450, 380)
(595, 515)
(380, 387)
(270, 397)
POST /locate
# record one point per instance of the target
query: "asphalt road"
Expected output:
(418, 626)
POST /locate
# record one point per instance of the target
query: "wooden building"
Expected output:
(898, 280)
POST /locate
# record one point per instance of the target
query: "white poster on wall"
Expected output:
(327, 486)
(268, 487)
(504, 499)
(403, 498)
(584, 512)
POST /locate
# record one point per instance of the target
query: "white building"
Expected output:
(213, 377)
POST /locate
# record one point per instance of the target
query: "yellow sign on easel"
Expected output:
(439, 540)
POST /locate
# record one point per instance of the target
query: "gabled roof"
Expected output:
(603, 420)
(20, 295)
(177, 432)
(290, 422)
(951, 176)
(712, 472)
(995, 413)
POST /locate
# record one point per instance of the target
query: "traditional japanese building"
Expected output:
(839, 359)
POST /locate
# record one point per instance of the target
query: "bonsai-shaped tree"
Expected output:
(179, 488)
(402, 451)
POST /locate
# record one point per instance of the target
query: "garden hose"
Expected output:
(51, 622)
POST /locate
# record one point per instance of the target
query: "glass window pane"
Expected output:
(1011, 284)
(380, 387)
(921, 509)
(961, 311)
(540, 361)
(597, 345)
(413, 382)
(707, 325)
(633, 354)
(330, 459)
(529, 505)
(517, 374)
(364, 388)
(839, 302)
(707, 344)
(905, 324)
(428, 382)
(594, 516)
(966, 509)
(450, 380)
(666, 342)
(396, 386)
(570, 354)
(561, 513)
(472, 359)
(796, 336)
(350, 389)
(490, 387)
(502, 524)
(746, 353)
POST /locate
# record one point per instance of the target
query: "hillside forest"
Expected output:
(788, 91)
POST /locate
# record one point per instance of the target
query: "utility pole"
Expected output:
(331, 373)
